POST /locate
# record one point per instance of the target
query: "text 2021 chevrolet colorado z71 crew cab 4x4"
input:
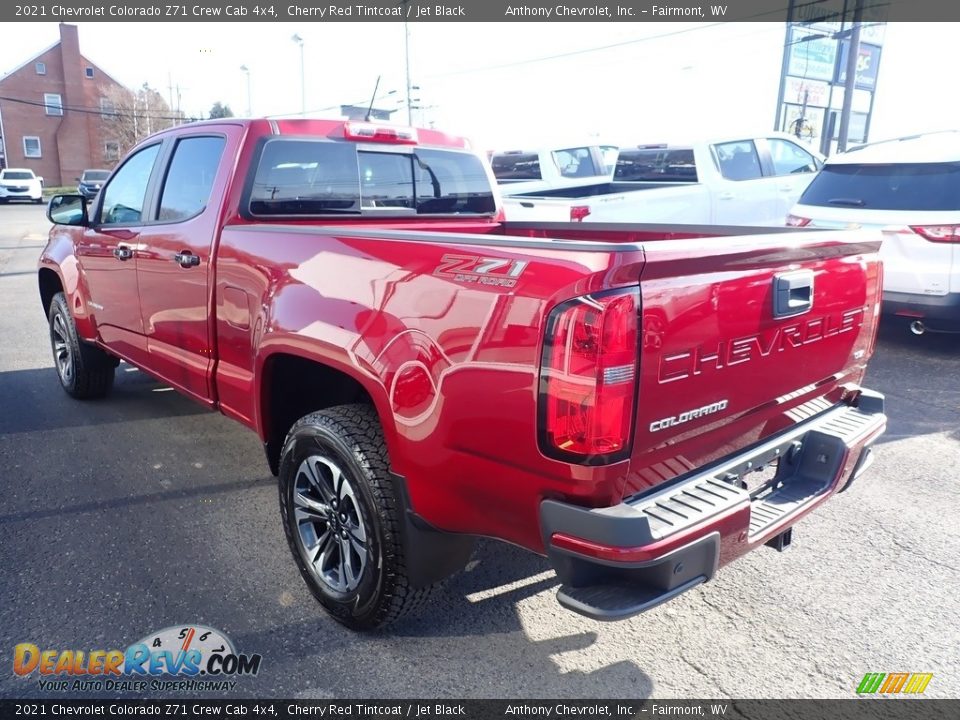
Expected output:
(422, 372)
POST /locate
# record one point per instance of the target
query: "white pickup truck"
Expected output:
(731, 181)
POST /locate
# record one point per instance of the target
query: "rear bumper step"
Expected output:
(619, 561)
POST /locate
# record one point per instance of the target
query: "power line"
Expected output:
(91, 111)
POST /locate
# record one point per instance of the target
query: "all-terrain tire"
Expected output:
(346, 439)
(85, 371)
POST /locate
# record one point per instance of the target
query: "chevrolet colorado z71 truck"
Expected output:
(641, 404)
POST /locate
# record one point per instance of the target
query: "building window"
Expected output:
(111, 151)
(41, 68)
(89, 72)
(53, 103)
(31, 146)
(107, 108)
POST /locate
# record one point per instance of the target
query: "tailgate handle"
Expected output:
(792, 293)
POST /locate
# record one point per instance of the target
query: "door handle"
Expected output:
(186, 259)
(123, 252)
(725, 196)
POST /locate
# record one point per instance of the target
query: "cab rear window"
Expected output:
(516, 166)
(656, 165)
(894, 186)
(303, 178)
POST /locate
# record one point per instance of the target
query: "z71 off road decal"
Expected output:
(500, 272)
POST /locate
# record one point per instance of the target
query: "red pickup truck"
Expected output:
(641, 404)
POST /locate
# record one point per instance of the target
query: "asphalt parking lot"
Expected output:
(143, 511)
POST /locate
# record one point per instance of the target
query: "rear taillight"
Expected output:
(797, 221)
(588, 378)
(938, 233)
(579, 212)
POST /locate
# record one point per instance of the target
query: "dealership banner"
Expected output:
(807, 11)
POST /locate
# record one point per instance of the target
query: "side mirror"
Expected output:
(77, 179)
(68, 210)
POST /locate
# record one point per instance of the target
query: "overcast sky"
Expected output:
(507, 85)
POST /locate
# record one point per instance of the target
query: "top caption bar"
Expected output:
(476, 11)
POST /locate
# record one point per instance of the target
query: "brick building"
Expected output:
(42, 133)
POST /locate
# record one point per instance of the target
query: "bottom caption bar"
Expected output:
(854, 709)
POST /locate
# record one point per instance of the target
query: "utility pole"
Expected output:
(170, 93)
(785, 65)
(246, 70)
(853, 54)
(303, 81)
(826, 135)
(406, 50)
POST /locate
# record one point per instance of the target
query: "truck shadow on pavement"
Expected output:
(34, 402)
(471, 640)
(914, 373)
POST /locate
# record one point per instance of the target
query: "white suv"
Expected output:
(910, 189)
(20, 184)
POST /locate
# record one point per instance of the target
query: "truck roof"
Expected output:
(339, 129)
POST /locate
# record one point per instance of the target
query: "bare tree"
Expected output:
(131, 115)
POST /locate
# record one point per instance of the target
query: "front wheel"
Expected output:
(85, 371)
(342, 517)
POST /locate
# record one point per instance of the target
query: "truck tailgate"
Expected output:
(744, 337)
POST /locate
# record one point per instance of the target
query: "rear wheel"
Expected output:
(342, 517)
(85, 371)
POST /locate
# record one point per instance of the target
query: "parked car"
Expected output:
(20, 184)
(422, 373)
(90, 182)
(730, 181)
(908, 188)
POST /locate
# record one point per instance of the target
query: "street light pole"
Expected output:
(853, 54)
(406, 49)
(245, 69)
(303, 77)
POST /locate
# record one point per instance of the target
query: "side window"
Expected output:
(738, 160)
(123, 197)
(575, 162)
(186, 189)
(789, 158)
(609, 155)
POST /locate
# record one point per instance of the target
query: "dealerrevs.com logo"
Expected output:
(188, 658)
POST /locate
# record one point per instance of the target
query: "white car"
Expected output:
(908, 188)
(20, 184)
(740, 180)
